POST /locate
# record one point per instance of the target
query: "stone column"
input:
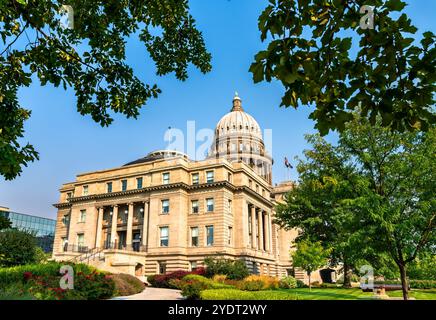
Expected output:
(145, 226)
(267, 232)
(260, 225)
(100, 211)
(114, 226)
(253, 227)
(129, 227)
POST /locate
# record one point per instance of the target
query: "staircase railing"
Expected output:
(90, 255)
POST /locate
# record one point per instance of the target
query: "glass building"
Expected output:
(42, 228)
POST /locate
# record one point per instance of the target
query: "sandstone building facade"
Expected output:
(165, 212)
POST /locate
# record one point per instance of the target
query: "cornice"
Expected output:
(179, 185)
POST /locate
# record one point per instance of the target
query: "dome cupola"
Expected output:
(238, 138)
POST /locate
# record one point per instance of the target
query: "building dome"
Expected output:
(238, 122)
(238, 138)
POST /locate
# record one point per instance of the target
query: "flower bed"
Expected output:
(163, 280)
(42, 282)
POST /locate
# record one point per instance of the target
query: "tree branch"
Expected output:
(16, 38)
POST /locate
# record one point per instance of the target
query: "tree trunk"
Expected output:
(347, 276)
(310, 283)
(404, 283)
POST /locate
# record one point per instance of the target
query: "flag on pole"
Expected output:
(287, 164)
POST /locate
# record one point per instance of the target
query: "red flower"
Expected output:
(27, 275)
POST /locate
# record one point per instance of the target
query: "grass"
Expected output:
(306, 294)
(418, 294)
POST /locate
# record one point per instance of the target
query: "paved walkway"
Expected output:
(154, 294)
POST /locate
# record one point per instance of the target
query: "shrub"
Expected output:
(221, 278)
(414, 284)
(209, 283)
(250, 285)
(235, 294)
(288, 283)
(163, 280)
(15, 292)
(17, 248)
(233, 269)
(191, 289)
(422, 284)
(126, 284)
(301, 284)
(267, 281)
(42, 281)
(316, 284)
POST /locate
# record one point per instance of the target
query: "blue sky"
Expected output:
(69, 143)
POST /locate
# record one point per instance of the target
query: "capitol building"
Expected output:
(166, 212)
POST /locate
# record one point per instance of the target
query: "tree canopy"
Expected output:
(372, 193)
(310, 256)
(323, 58)
(89, 58)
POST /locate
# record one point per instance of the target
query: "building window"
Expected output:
(250, 183)
(139, 183)
(195, 178)
(193, 265)
(209, 236)
(249, 229)
(229, 177)
(164, 236)
(162, 267)
(209, 176)
(64, 242)
(82, 216)
(69, 195)
(229, 205)
(165, 206)
(257, 188)
(263, 192)
(194, 237)
(209, 204)
(85, 191)
(123, 185)
(80, 240)
(230, 235)
(66, 220)
(194, 206)
(166, 178)
(109, 187)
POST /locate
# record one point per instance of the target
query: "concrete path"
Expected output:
(154, 294)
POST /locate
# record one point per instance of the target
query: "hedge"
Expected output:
(235, 294)
(414, 284)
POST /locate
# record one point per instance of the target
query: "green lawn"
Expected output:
(306, 294)
(330, 293)
(417, 294)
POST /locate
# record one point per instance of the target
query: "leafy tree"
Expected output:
(5, 223)
(325, 179)
(312, 52)
(392, 176)
(17, 248)
(310, 256)
(423, 268)
(89, 58)
(233, 269)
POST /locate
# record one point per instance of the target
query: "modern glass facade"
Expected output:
(42, 228)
